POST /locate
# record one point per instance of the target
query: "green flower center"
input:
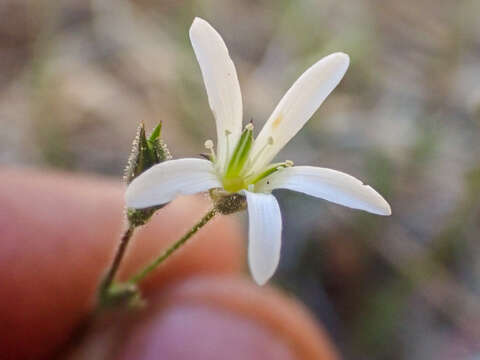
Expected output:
(234, 184)
(238, 175)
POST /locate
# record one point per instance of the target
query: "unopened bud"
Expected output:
(145, 154)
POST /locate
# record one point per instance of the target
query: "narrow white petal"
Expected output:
(264, 235)
(221, 82)
(163, 182)
(327, 184)
(298, 105)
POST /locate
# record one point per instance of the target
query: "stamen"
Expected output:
(270, 170)
(209, 146)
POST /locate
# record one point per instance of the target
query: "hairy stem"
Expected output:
(175, 246)
(112, 270)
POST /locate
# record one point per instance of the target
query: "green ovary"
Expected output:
(234, 184)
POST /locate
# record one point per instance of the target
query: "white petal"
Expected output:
(221, 82)
(327, 184)
(264, 235)
(298, 105)
(163, 182)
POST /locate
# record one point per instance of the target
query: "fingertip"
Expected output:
(59, 232)
(215, 318)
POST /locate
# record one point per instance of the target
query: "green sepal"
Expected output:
(155, 135)
(141, 157)
(138, 217)
(145, 152)
(227, 203)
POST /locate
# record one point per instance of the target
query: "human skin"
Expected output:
(58, 233)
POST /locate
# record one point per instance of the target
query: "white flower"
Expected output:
(243, 164)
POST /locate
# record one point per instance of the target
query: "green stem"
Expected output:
(153, 265)
(112, 271)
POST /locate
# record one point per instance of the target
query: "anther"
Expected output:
(209, 144)
(288, 163)
(249, 126)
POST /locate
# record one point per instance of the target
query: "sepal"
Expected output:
(227, 203)
(145, 152)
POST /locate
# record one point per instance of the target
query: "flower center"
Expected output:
(234, 184)
(237, 174)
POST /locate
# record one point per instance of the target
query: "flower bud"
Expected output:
(145, 154)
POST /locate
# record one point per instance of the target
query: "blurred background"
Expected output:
(76, 77)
